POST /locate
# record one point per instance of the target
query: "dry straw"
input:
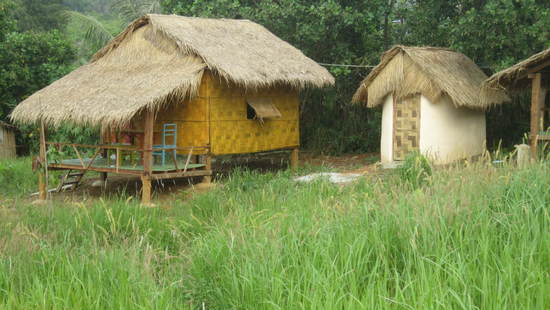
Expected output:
(161, 58)
(433, 72)
(516, 77)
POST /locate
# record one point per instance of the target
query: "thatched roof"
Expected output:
(433, 72)
(516, 77)
(159, 58)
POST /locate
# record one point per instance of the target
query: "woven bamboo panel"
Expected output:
(233, 137)
(234, 108)
(193, 134)
(189, 134)
(228, 109)
(230, 131)
(217, 87)
(406, 126)
(7, 143)
(188, 110)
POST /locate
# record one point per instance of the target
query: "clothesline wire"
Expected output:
(367, 66)
(344, 65)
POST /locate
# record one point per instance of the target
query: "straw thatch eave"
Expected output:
(433, 72)
(515, 78)
(111, 90)
(160, 59)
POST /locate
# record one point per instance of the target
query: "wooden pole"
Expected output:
(208, 166)
(145, 190)
(542, 106)
(294, 158)
(42, 190)
(535, 112)
(147, 157)
(104, 153)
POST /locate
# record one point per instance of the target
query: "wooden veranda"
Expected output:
(108, 158)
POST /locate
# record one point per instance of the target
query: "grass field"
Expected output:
(475, 237)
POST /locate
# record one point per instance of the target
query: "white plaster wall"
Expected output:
(448, 133)
(386, 142)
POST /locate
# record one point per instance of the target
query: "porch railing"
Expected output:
(106, 149)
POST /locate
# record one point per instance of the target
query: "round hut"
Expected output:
(431, 103)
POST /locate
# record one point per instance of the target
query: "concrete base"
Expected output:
(392, 165)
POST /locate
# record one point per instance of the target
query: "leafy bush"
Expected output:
(416, 170)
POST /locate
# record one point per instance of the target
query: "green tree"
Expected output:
(7, 23)
(132, 9)
(29, 60)
(40, 15)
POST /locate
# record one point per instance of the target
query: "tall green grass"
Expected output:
(473, 237)
(17, 179)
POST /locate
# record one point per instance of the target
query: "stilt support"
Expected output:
(294, 158)
(42, 191)
(208, 166)
(103, 177)
(535, 112)
(147, 158)
(146, 190)
(43, 167)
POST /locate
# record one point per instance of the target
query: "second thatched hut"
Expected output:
(431, 103)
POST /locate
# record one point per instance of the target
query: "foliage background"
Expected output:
(41, 40)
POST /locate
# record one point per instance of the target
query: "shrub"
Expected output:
(416, 170)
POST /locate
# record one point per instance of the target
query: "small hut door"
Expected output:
(406, 126)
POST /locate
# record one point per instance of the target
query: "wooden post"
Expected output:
(294, 158)
(535, 112)
(42, 184)
(145, 190)
(104, 153)
(147, 157)
(208, 166)
(542, 106)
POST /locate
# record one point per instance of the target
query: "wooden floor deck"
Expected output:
(101, 164)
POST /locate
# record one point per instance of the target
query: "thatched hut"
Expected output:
(431, 103)
(7, 141)
(532, 73)
(180, 87)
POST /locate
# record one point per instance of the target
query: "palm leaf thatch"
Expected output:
(160, 59)
(516, 77)
(433, 72)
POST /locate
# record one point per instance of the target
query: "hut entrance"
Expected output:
(406, 132)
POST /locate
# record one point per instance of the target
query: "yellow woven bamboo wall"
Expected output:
(191, 118)
(232, 133)
(229, 131)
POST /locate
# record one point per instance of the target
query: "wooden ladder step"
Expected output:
(70, 180)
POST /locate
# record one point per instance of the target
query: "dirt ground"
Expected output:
(354, 163)
(180, 188)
